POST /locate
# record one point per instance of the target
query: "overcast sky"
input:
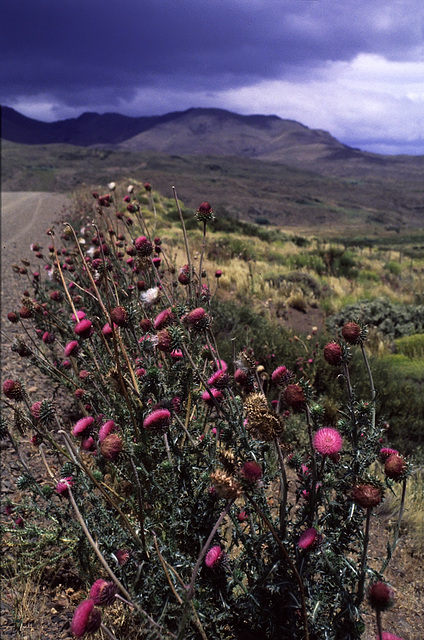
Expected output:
(354, 67)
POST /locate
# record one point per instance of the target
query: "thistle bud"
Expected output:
(119, 316)
(351, 332)
(333, 353)
(111, 446)
(395, 467)
(294, 396)
(13, 389)
(367, 495)
(380, 596)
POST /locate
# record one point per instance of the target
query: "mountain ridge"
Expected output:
(214, 132)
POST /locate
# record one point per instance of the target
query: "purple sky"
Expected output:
(353, 67)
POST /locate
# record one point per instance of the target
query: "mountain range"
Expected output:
(212, 132)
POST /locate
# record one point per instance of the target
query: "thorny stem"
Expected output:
(201, 258)
(80, 464)
(392, 547)
(364, 558)
(289, 562)
(190, 588)
(364, 355)
(284, 488)
(107, 567)
(314, 468)
(185, 240)
(140, 505)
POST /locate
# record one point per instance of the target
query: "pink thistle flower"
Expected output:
(242, 516)
(218, 273)
(219, 379)
(80, 315)
(308, 539)
(214, 394)
(63, 485)
(385, 452)
(71, 349)
(327, 441)
(111, 446)
(280, 375)
(87, 444)
(140, 372)
(83, 427)
(388, 636)
(157, 421)
(143, 246)
(163, 319)
(48, 338)
(107, 428)
(177, 354)
(214, 557)
(103, 592)
(107, 330)
(86, 619)
(195, 316)
(13, 317)
(84, 329)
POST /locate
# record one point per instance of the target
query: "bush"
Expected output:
(169, 468)
(411, 346)
(389, 319)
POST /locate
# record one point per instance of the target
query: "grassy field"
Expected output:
(240, 188)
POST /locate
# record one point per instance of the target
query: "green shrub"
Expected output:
(411, 346)
(393, 267)
(390, 319)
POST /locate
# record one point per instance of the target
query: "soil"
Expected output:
(44, 609)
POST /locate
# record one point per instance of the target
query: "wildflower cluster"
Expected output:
(196, 508)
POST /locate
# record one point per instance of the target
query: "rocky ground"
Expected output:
(42, 608)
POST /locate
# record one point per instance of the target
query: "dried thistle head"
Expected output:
(261, 422)
(225, 485)
(245, 361)
(228, 460)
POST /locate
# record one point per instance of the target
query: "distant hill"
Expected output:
(214, 132)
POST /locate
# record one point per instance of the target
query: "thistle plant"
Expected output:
(170, 469)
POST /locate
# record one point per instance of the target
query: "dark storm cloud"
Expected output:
(92, 52)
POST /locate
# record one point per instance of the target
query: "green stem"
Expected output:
(289, 561)
(364, 558)
(190, 588)
(185, 241)
(364, 355)
(392, 547)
